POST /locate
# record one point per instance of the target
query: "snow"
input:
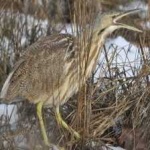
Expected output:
(109, 147)
(8, 112)
(70, 29)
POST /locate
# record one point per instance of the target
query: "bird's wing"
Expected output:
(40, 69)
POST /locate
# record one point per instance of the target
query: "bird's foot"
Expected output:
(75, 134)
(65, 125)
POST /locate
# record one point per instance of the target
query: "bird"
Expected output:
(49, 71)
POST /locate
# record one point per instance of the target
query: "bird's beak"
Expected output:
(120, 16)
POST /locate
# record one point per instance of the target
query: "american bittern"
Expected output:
(48, 73)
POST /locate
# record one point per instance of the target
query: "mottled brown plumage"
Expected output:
(42, 70)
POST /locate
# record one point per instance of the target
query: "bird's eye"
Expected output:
(100, 32)
(114, 16)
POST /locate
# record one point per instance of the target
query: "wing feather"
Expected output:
(40, 69)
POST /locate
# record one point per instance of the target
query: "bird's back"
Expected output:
(40, 71)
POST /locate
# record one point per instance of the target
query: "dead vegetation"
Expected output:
(117, 92)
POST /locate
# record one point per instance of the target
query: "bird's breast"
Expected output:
(66, 89)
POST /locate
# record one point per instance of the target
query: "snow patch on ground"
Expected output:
(10, 111)
(109, 147)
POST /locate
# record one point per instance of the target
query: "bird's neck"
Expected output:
(90, 53)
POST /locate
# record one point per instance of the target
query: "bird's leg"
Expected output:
(43, 130)
(64, 124)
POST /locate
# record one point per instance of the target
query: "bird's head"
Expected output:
(110, 22)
